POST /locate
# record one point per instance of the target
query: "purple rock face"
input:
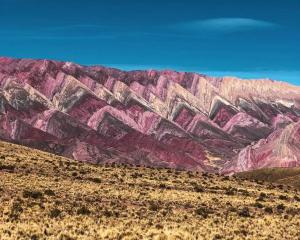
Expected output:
(153, 118)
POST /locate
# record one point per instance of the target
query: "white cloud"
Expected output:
(225, 25)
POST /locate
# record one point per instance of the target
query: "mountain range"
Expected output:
(154, 118)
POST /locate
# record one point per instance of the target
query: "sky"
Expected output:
(248, 39)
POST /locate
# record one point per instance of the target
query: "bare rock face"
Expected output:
(153, 118)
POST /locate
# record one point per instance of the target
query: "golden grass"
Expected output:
(44, 196)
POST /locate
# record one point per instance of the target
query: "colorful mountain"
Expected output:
(154, 118)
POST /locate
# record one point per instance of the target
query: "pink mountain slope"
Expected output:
(152, 118)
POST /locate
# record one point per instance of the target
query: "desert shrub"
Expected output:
(16, 210)
(217, 237)
(190, 174)
(268, 209)
(198, 188)
(293, 211)
(225, 178)
(153, 206)
(66, 237)
(258, 205)
(34, 237)
(245, 212)
(9, 168)
(230, 191)
(107, 213)
(95, 180)
(296, 198)
(283, 197)
(159, 226)
(280, 207)
(163, 186)
(203, 211)
(49, 192)
(54, 213)
(232, 209)
(280, 186)
(83, 211)
(242, 232)
(136, 175)
(244, 192)
(32, 194)
(261, 197)
(259, 182)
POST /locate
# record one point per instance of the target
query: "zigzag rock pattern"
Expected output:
(153, 118)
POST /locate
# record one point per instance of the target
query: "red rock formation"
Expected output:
(154, 118)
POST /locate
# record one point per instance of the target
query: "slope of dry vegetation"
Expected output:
(49, 197)
(290, 176)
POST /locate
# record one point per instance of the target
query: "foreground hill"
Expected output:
(44, 196)
(154, 118)
(290, 176)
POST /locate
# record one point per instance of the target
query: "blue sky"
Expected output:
(248, 39)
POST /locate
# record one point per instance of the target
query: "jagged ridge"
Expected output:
(156, 118)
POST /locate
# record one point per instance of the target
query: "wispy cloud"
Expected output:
(224, 25)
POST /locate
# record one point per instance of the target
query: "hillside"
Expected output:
(44, 196)
(287, 176)
(155, 118)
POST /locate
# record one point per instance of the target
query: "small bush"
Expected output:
(226, 178)
(230, 192)
(107, 213)
(280, 207)
(16, 210)
(258, 205)
(95, 180)
(32, 194)
(203, 211)
(198, 188)
(162, 186)
(83, 211)
(268, 210)
(34, 237)
(9, 168)
(153, 207)
(54, 213)
(296, 198)
(244, 192)
(261, 197)
(245, 212)
(159, 226)
(217, 237)
(283, 197)
(49, 192)
(136, 175)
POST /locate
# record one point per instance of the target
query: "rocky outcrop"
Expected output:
(154, 118)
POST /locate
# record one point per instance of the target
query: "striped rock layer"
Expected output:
(154, 118)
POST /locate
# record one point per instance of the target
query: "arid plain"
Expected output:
(44, 196)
